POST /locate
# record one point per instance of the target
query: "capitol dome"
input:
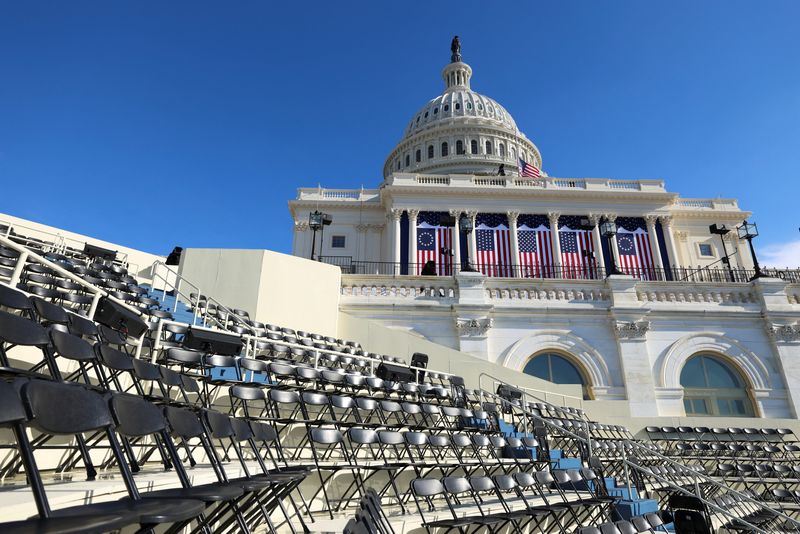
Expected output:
(461, 132)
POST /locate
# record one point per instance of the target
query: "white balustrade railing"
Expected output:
(703, 293)
(360, 286)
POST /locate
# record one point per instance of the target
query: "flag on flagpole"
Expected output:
(528, 170)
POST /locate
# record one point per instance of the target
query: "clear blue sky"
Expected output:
(155, 124)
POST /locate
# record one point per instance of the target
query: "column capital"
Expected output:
(455, 212)
(666, 220)
(553, 216)
(650, 220)
(412, 214)
(395, 214)
(594, 219)
(512, 217)
(301, 226)
(610, 217)
(682, 236)
(362, 228)
(471, 213)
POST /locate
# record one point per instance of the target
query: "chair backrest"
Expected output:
(219, 424)
(456, 485)
(49, 312)
(427, 487)
(135, 416)
(11, 407)
(71, 347)
(183, 422)
(65, 409)
(21, 331)
(326, 436)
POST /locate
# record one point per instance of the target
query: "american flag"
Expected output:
(577, 248)
(431, 239)
(528, 170)
(633, 243)
(535, 247)
(493, 240)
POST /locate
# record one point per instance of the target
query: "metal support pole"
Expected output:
(157, 342)
(177, 292)
(95, 302)
(589, 440)
(23, 257)
(625, 466)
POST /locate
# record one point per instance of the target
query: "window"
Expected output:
(418, 156)
(426, 114)
(469, 105)
(706, 250)
(435, 110)
(480, 107)
(398, 163)
(458, 106)
(459, 147)
(555, 368)
(712, 387)
(408, 160)
(488, 147)
(430, 151)
(444, 149)
(473, 146)
(447, 107)
(337, 241)
(502, 149)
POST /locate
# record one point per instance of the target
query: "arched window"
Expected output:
(512, 153)
(408, 160)
(430, 151)
(458, 106)
(444, 149)
(447, 107)
(555, 368)
(488, 147)
(712, 387)
(473, 146)
(435, 110)
(418, 156)
(502, 150)
(459, 147)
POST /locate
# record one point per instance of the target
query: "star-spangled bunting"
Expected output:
(434, 243)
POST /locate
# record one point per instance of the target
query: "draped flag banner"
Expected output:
(493, 241)
(577, 248)
(633, 243)
(434, 243)
(535, 247)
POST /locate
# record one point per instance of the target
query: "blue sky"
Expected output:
(154, 124)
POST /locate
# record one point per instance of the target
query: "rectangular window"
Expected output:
(695, 406)
(706, 250)
(337, 241)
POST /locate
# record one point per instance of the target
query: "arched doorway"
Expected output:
(713, 387)
(557, 368)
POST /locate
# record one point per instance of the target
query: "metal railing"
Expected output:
(27, 255)
(560, 272)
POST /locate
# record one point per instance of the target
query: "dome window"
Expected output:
(489, 147)
(426, 114)
(469, 105)
(430, 151)
(480, 107)
(445, 150)
(418, 156)
(408, 160)
(458, 106)
(459, 147)
(435, 110)
(473, 146)
(398, 164)
(489, 109)
(502, 150)
(417, 120)
(447, 107)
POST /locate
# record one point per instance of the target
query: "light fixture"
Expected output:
(748, 231)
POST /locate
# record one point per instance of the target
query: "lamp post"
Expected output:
(465, 226)
(749, 231)
(318, 221)
(608, 229)
(721, 231)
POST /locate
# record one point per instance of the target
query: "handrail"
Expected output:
(684, 469)
(60, 243)
(525, 389)
(97, 292)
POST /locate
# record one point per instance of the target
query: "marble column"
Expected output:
(395, 215)
(456, 242)
(599, 257)
(473, 245)
(650, 221)
(413, 268)
(669, 240)
(612, 217)
(512, 227)
(555, 241)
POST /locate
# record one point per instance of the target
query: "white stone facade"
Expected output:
(628, 336)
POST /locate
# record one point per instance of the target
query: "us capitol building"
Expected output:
(622, 286)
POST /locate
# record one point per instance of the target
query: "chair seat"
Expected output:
(148, 511)
(79, 524)
(205, 493)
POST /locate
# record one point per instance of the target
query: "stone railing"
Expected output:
(408, 287)
(507, 290)
(707, 293)
(727, 204)
(516, 182)
(340, 195)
